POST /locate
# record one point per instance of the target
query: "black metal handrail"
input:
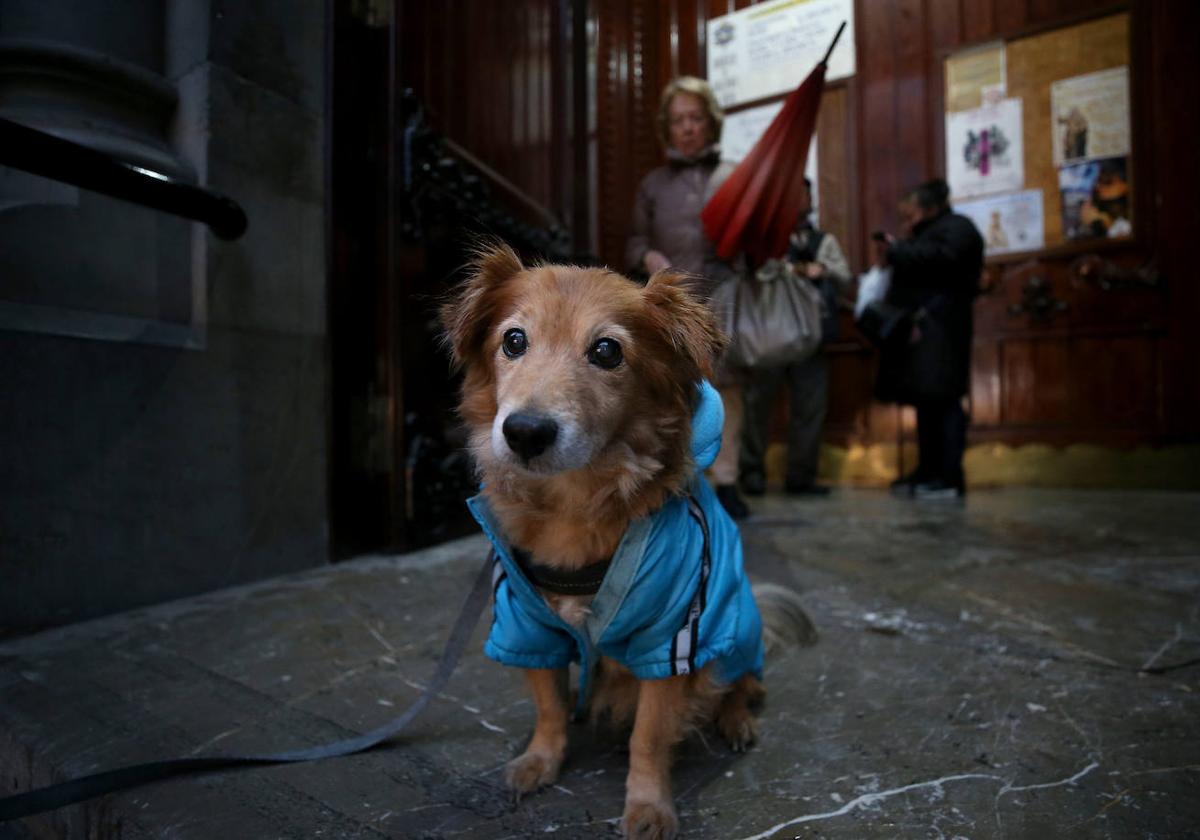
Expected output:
(30, 150)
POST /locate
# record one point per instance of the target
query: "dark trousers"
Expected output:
(941, 439)
(808, 398)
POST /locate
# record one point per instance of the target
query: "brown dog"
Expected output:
(579, 393)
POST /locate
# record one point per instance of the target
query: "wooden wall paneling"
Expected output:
(536, 104)
(1162, 418)
(834, 189)
(1018, 382)
(457, 72)
(986, 383)
(1120, 386)
(945, 25)
(678, 36)
(913, 116)
(699, 19)
(877, 118)
(1122, 309)
(717, 8)
(585, 196)
(668, 48)
(627, 100)
(1074, 8)
(1011, 15)
(979, 19)
(1041, 11)
(548, 73)
(847, 418)
(693, 37)
(646, 92)
(1037, 382)
(608, 109)
(614, 127)
(1173, 86)
(508, 103)
(560, 139)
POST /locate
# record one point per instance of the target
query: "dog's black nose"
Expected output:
(529, 434)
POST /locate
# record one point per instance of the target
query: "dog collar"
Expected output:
(582, 581)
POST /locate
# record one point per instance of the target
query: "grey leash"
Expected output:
(98, 784)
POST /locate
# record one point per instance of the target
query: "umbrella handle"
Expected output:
(837, 35)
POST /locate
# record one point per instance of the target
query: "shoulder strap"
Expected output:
(683, 646)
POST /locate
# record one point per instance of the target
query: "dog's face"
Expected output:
(565, 363)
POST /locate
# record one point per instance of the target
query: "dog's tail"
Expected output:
(785, 623)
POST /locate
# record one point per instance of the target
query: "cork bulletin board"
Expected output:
(1053, 111)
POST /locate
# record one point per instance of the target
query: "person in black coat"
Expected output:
(935, 276)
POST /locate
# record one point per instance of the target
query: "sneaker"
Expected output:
(734, 505)
(903, 486)
(795, 488)
(938, 490)
(754, 484)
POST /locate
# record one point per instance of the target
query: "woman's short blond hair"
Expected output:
(696, 87)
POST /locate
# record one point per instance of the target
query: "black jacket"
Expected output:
(935, 274)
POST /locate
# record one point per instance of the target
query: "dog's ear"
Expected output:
(468, 312)
(678, 304)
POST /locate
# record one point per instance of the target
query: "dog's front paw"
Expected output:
(649, 821)
(530, 771)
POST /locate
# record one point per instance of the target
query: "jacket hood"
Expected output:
(707, 421)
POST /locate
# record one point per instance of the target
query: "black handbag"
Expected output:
(886, 325)
(829, 310)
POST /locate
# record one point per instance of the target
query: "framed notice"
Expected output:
(768, 49)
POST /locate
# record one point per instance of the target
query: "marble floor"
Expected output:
(1022, 665)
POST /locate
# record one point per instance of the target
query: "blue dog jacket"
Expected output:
(674, 599)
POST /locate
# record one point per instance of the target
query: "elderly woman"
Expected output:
(667, 232)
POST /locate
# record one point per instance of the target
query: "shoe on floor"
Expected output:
(754, 484)
(795, 488)
(733, 503)
(938, 490)
(903, 486)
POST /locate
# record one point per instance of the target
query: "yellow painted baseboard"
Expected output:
(1031, 465)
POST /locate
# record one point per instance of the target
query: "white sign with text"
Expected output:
(769, 48)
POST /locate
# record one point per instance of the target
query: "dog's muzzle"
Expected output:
(529, 435)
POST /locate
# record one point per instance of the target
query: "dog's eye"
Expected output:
(606, 353)
(514, 343)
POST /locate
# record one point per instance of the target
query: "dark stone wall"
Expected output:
(131, 472)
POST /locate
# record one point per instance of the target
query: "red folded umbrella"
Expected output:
(755, 210)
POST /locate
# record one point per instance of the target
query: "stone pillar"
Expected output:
(89, 74)
(74, 262)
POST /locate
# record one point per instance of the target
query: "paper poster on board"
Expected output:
(1008, 223)
(1096, 200)
(1090, 116)
(984, 150)
(769, 48)
(742, 130)
(975, 77)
